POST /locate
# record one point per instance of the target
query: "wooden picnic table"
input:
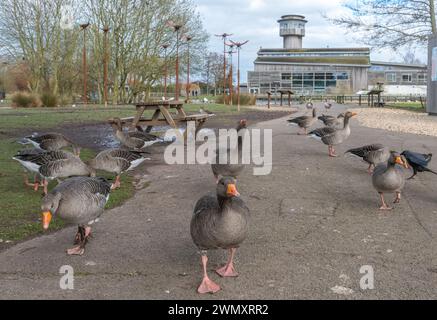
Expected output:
(162, 116)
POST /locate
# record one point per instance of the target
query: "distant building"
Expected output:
(193, 92)
(399, 78)
(326, 70)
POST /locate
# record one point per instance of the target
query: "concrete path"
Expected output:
(315, 224)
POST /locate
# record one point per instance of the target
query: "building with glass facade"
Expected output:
(321, 71)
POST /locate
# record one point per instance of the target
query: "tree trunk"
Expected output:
(432, 13)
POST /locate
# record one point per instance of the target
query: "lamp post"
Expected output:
(239, 45)
(231, 73)
(177, 28)
(188, 39)
(224, 36)
(84, 27)
(105, 66)
(165, 47)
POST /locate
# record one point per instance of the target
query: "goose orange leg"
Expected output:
(370, 170)
(332, 153)
(398, 197)
(229, 270)
(207, 285)
(384, 206)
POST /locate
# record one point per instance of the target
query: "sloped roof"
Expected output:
(262, 50)
(363, 61)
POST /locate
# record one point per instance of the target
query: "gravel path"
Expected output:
(398, 121)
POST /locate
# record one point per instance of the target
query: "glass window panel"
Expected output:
(320, 76)
(309, 76)
(297, 76)
(297, 83)
(319, 84)
(308, 83)
(286, 76)
(331, 83)
(330, 76)
(342, 76)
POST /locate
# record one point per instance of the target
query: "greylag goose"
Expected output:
(372, 154)
(419, 162)
(328, 105)
(50, 142)
(331, 121)
(387, 177)
(117, 161)
(310, 105)
(219, 222)
(79, 201)
(333, 136)
(134, 140)
(231, 170)
(304, 122)
(54, 165)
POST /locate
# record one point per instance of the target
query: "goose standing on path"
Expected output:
(333, 136)
(229, 169)
(328, 105)
(372, 154)
(117, 161)
(331, 121)
(304, 122)
(134, 140)
(419, 162)
(219, 222)
(54, 165)
(50, 142)
(389, 178)
(310, 105)
(79, 201)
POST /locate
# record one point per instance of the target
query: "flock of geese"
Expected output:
(219, 221)
(385, 166)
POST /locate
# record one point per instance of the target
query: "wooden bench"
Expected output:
(163, 117)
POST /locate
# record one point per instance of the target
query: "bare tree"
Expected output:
(411, 58)
(390, 23)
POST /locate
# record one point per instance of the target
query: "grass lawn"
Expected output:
(42, 118)
(20, 206)
(411, 106)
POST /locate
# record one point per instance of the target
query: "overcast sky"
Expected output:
(256, 21)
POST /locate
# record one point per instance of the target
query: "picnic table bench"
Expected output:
(162, 116)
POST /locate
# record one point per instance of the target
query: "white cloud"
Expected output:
(256, 21)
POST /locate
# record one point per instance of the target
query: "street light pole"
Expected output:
(188, 39)
(231, 73)
(84, 63)
(165, 47)
(177, 28)
(224, 36)
(105, 66)
(239, 45)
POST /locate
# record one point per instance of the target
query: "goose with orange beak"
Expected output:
(332, 136)
(219, 222)
(389, 178)
(79, 201)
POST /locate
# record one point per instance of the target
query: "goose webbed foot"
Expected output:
(81, 239)
(332, 153)
(207, 285)
(228, 270)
